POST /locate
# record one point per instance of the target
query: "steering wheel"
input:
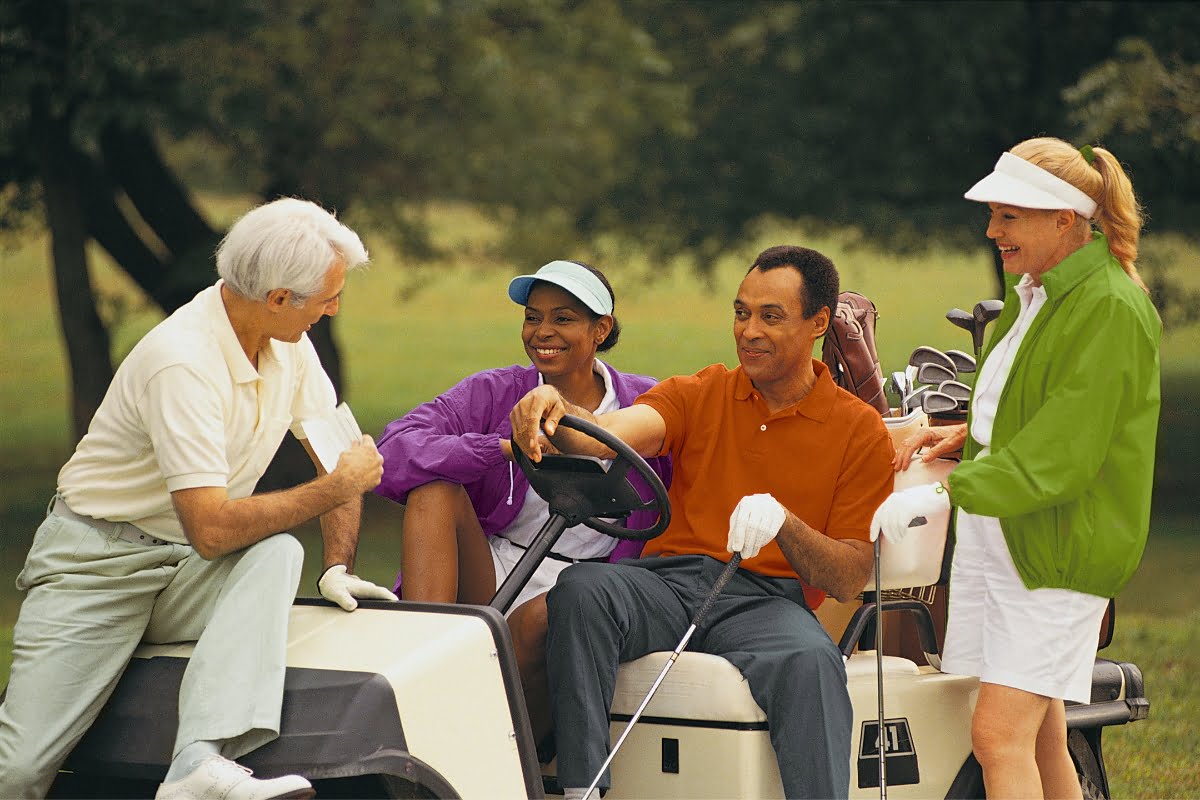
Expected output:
(581, 490)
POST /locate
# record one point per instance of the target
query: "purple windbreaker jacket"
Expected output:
(456, 438)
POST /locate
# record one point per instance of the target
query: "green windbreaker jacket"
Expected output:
(1072, 460)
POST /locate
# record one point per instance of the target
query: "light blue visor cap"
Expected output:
(579, 281)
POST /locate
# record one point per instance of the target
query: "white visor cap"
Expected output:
(1017, 182)
(579, 281)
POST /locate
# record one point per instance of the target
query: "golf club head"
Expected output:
(898, 384)
(984, 312)
(963, 362)
(931, 355)
(935, 402)
(911, 399)
(958, 390)
(987, 310)
(961, 319)
(934, 374)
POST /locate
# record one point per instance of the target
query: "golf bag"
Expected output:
(849, 350)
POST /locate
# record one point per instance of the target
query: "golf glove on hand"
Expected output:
(339, 586)
(754, 523)
(896, 513)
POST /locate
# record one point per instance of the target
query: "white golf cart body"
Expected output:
(424, 700)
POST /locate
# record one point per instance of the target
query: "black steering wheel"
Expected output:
(581, 490)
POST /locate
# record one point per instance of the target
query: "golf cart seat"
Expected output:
(704, 710)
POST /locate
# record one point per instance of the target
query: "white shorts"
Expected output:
(1041, 641)
(505, 556)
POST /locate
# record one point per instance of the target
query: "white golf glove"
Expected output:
(341, 587)
(754, 523)
(896, 514)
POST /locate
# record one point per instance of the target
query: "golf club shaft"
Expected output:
(879, 672)
(915, 522)
(721, 582)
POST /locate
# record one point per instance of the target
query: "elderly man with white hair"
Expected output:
(154, 532)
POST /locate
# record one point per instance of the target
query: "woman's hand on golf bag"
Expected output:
(940, 440)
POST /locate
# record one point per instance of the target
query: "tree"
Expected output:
(1133, 98)
(872, 114)
(675, 124)
(379, 107)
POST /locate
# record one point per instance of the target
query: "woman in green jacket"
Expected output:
(1053, 493)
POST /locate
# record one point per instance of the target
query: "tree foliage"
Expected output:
(674, 124)
(880, 114)
(1135, 97)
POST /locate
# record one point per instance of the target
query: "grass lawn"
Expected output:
(407, 332)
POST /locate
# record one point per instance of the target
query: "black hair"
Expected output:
(610, 341)
(820, 276)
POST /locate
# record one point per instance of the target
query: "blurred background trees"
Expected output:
(675, 125)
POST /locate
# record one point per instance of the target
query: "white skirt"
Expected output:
(1041, 641)
(505, 556)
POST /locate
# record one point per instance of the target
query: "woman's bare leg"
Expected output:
(444, 555)
(1004, 735)
(528, 625)
(1059, 779)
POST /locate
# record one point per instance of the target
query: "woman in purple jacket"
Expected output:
(470, 512)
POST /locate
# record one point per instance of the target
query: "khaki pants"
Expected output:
(91, 597)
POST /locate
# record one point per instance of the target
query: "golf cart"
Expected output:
(423, 700)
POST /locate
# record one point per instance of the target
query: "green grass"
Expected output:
(409, 331)
(1157, 758)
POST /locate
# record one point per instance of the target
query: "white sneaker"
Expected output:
(217, 778)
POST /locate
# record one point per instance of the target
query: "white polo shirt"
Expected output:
(187, 409)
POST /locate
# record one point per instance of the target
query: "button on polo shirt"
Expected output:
(827, 459)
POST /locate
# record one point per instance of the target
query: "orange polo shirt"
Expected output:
(827, 459)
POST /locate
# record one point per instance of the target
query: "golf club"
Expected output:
(935, 402)
(930, 355)
(903, 387)
(957, 390)
(963, 362)
(961, 319)
(881, 743)
(985, 311)
(911, 399)
(880, 740)
(701, 613)
(934, 374)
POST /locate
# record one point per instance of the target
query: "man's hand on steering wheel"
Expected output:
(590, 494)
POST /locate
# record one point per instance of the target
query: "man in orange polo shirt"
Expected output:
(771, 460)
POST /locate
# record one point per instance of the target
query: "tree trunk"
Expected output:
(133, 158)
(329, 353)
(83, 331)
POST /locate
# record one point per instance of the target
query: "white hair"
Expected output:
(285, 244)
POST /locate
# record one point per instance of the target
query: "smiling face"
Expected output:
(560, 333)
(1031, 240)
(290, 322)
(774, 340)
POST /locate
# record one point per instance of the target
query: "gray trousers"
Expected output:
(601, 615)
(91, 597)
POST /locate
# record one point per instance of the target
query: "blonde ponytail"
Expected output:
(1118, 212)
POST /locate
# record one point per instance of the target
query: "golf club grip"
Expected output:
(718, 587)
